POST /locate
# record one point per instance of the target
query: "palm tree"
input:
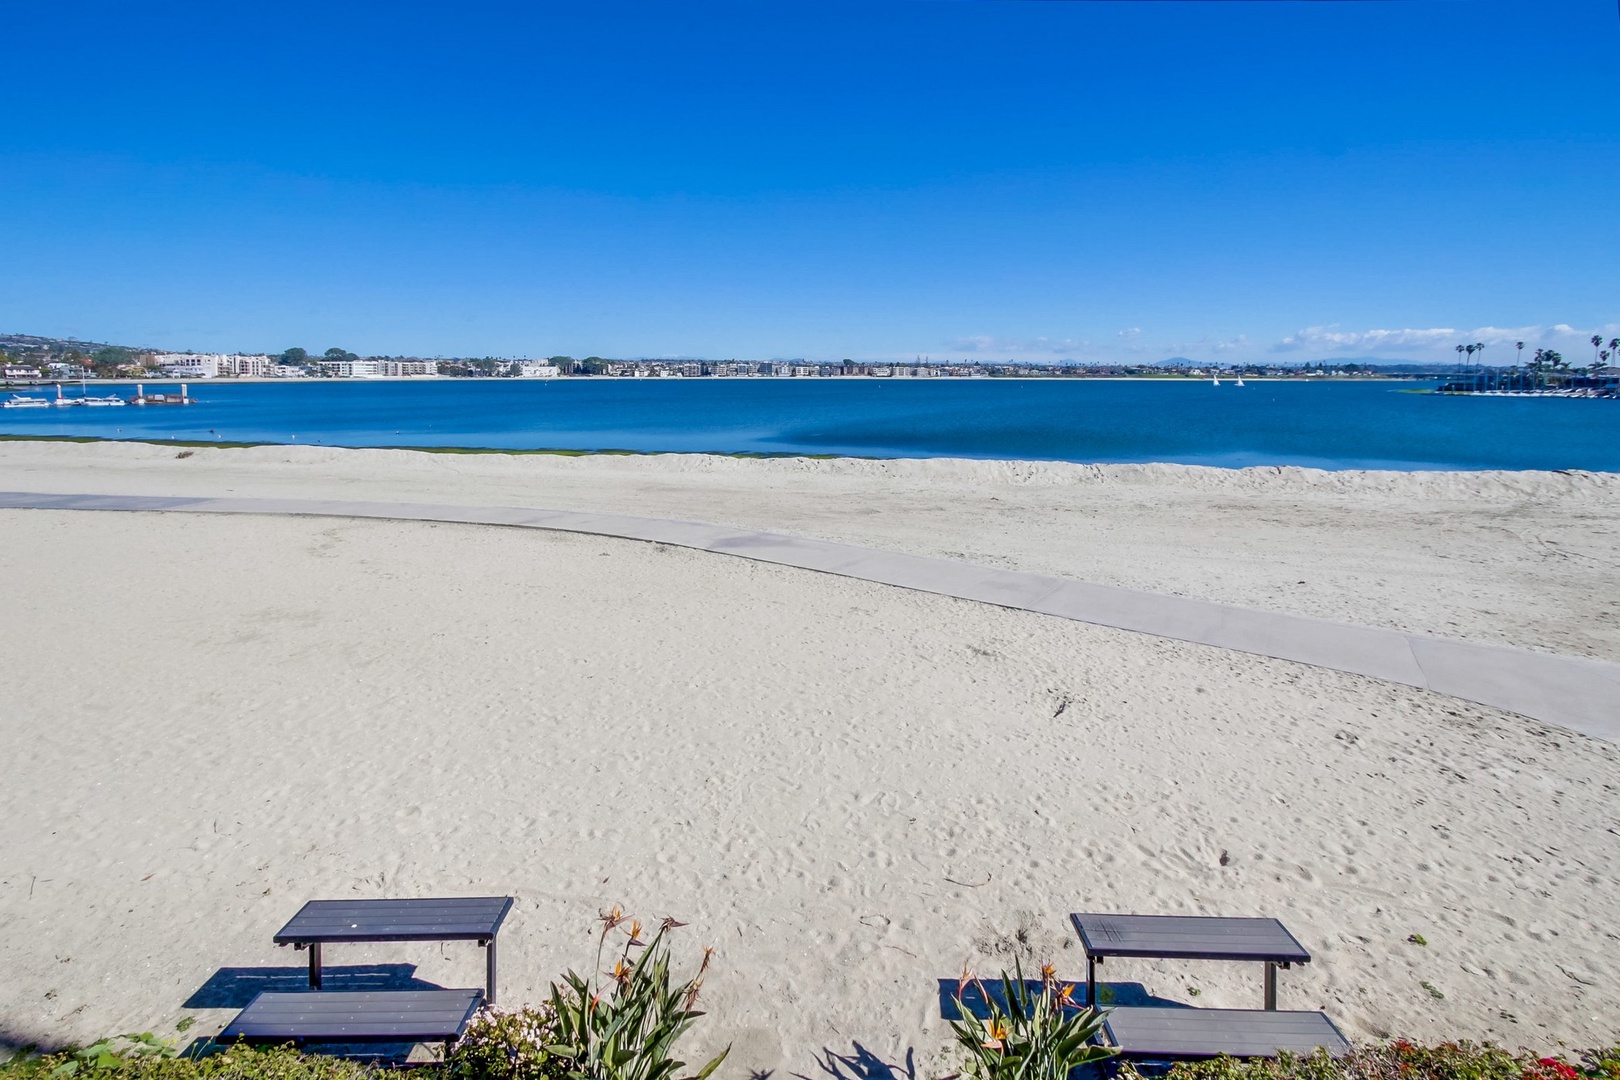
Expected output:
(1614, 349)
(1597, 343)
(1554, 359)
(1519, 362)
(1535, 369)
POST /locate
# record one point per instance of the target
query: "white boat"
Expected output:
(64, 401)
(1240, 380)
(110, 399)
(18, 401)
(1215, 380)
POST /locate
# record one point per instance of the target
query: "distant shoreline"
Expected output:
(239, 380)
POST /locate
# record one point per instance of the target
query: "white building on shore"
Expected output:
(395, 369)
(189, 365)
(353, 369)
(212, 365)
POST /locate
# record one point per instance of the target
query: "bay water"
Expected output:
(1363, 424)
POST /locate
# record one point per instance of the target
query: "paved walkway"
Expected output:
(1579, 694)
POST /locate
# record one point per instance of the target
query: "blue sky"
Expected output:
(1102, 181)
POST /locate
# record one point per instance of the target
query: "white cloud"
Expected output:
(1435, 342)
(977, 343)
(1423, 344)
(1331, 337)
(984, 343)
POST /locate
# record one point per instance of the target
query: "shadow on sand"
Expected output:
(235, 987)
(862, 1064)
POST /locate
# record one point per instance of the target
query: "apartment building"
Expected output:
(396, 369)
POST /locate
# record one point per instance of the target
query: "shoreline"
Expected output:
(761, 455)
(497, 379)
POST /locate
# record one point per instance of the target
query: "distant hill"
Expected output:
(30, 343)
(1384, 364)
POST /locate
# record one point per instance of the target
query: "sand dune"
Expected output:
(850, 790)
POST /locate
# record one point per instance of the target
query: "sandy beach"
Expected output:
(849, 790)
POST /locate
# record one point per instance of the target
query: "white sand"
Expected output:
(1525, 559)
(850, 790)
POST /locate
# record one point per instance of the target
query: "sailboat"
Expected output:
(1215, 380)
(1240, 380)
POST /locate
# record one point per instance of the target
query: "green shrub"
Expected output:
(506, 1046)
(1026, 1036)
(1603, 1064)
(124, 1062)
(1403, 1060)
(627, 1030)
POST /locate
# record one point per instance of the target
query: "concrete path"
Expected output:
(1579, 694)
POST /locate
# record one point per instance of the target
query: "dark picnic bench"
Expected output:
(325, 922)
(1172, 1034)
(1188, 937)
(371, 1016)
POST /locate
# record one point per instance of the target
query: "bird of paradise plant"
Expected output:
(627, 1028)
(1027, 1036)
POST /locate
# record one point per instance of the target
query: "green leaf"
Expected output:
(703, 1073)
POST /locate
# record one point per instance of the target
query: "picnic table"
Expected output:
(1188, 937)
(324, 922)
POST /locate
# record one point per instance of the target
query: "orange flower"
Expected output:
(691, 995)
(964, 979)
(635, 932)
(997, 1032)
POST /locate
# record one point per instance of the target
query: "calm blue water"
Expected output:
(1333, 425)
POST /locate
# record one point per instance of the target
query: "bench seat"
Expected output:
(1170, 1034)
(395, 1016)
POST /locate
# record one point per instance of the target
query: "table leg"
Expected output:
(314, 965)
(489, 971)
(1091, 982)
(1271, 986)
